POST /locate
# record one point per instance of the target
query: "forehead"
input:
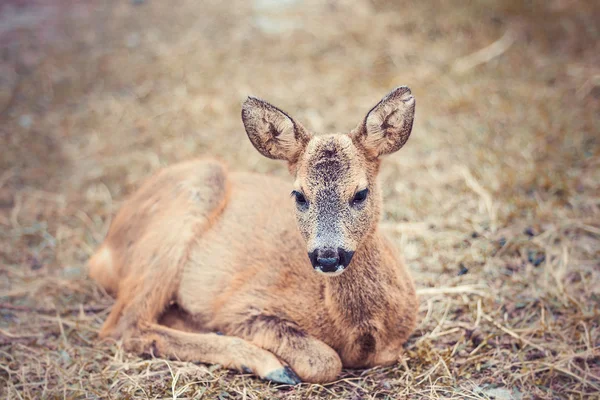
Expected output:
(331, 159)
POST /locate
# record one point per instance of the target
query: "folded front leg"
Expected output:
(210, 348)
(311, 359)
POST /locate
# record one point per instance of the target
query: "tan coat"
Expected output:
(226, 268)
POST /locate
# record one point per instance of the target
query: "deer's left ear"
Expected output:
(387, 126)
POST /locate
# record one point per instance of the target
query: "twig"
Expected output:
(486, 54)
(479, 312)
(62, 330)
(483, 193)
(464, 289)
(70, 324)
(513, 334)
(10, 338)
(448, 332)
(440, 323)
(550, 367)
(16, 336)
(588, 86)
(52, 311)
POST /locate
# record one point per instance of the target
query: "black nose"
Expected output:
(329, 260)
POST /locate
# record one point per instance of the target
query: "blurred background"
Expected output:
(494, 201)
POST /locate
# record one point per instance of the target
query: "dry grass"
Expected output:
(501, 178)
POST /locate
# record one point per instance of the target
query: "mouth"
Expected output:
(330, 270)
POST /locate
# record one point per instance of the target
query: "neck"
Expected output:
(358, 291)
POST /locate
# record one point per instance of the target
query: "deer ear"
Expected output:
(387, 126)
(272, 132)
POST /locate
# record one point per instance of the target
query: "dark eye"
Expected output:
(359, 197)
(300, 199)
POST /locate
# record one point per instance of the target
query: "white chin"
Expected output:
(340, 269)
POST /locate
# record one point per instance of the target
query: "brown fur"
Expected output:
(198, 250)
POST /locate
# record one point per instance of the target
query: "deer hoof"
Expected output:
(284, 375)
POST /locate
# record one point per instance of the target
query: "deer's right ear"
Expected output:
(272, 132)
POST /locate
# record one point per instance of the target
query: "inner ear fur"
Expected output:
(388, 125)
(272, 131)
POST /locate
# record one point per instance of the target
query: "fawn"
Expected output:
(225, 268)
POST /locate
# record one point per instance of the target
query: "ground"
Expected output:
(494, 201)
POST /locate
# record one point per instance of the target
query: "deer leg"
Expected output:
(136, 303)
(210, 348)
(134, 319)
(310, 358)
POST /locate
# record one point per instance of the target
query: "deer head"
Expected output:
(338, 202)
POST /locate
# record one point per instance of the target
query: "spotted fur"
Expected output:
(211, 266)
